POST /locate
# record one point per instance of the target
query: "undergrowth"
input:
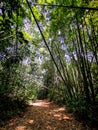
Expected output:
(83, 111)
(10, 107)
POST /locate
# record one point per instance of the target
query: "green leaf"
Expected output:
(27, 36)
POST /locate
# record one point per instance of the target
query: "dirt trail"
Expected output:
(44, 115)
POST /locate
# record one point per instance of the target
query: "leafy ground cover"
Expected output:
(45, 115)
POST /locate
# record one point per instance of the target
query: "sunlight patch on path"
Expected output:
(21, 128)
(40, 103)
(62, 109)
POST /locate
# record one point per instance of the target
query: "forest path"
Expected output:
(44, 115)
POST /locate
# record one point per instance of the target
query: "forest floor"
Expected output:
(45, 115)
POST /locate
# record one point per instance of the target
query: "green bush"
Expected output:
(78, 106)
(56, 96)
